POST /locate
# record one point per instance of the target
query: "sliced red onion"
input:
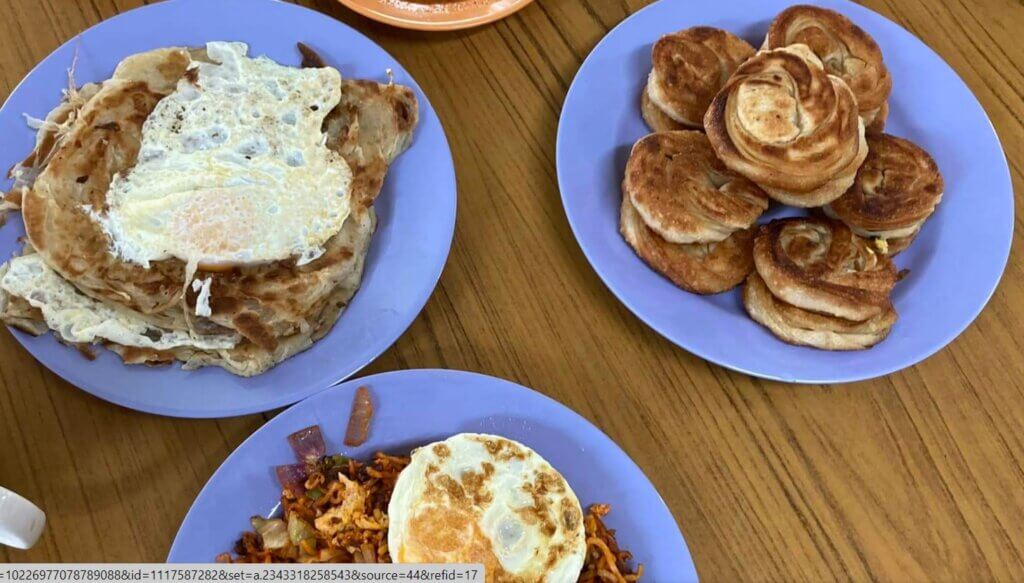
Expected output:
(359, 419)
(293, 477)
(308, 444)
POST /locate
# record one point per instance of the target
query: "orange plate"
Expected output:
(435, 14)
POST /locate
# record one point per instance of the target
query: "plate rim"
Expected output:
(66, 372)
(843, 375)
(439, 375)
(436, 25)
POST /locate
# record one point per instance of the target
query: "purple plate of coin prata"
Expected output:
(955, 263)
(415, 210)
(415, 407)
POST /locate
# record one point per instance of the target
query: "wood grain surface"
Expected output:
(913, 477)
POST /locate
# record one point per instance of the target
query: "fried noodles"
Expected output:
(341, 517)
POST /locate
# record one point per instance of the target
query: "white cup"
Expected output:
(21, 522)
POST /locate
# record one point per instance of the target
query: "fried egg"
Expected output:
(233, 167)
(80, 319)
(476, 498)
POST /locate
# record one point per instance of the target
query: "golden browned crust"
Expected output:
(159, 69)
(896, 190)
(689, 67)
(20, 314)
(683, 191)
(656, 119)
(801, 327)
(790, 127)
(370, 127)
(141, 355)
(103, 141)
(820, 265)
(249, 358)
(280, 308)
(899, 244)
(845, 49)
(876, 120)
(702, 268)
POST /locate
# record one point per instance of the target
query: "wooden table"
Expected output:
(917, 476)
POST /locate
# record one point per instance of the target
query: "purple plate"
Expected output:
(414, 407)
(416, 210)
(955, 263)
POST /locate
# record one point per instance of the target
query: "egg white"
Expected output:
(233, 168)
(80, 319)
(475, 498)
